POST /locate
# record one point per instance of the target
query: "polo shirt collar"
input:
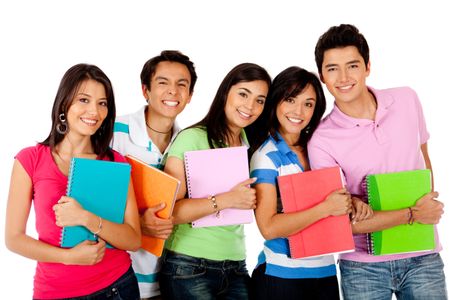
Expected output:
(384, 101)
(138, 129)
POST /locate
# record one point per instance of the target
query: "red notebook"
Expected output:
(301, 191)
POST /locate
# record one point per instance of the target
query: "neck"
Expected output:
(234, 137)
(75, 146)
(289, 138)
(365, 107)
(159, 128)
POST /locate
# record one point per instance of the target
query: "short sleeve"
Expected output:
(27, 158)
(188, 140)
(423, 132)
(118, 157)
(263, 168)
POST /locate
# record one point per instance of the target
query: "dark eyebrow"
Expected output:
(246, 89)
(330, 65)
(161, 78)
(353, 61)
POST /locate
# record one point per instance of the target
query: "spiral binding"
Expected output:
(188, 181)
(369, 238)
(68, 192)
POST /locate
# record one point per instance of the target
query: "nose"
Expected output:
(172, 89)
(250, 104)
(93, 108)
(343, 75)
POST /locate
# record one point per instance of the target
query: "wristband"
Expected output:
(411, 217)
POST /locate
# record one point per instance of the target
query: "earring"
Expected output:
(307, 129)
(61, 127)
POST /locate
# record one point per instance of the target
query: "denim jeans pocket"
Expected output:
(182, 267)
(241, 269)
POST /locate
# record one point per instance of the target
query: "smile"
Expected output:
(89, 122)
(294, 120)
(171, 103)
(244, 115)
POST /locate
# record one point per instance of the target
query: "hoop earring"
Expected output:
(61, 127)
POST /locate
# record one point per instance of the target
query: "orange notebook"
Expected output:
(151, 187)
(301, 191)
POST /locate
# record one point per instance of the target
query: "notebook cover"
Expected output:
(215, 171)
(301, 191)
(101, 187)
(392, 191)
(152, 187)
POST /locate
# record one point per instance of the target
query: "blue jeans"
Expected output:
(186, 277)
(418, 278)
(124, 288)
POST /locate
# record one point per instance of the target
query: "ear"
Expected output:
(368, 69)
(189, 99)
(145, 91)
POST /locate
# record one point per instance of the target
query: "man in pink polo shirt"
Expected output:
(373, 131)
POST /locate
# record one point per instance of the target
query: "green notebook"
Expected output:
(393, 191)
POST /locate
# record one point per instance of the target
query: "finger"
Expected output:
(248, 181)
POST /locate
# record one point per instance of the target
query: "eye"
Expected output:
(290, 100)
(103, 103)
(331, 69)
(243, 94)
(261, 101)
(354, 66)
(161, 82)
(182, 84)
(309, 104)
(83, 100)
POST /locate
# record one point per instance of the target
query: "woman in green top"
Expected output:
(209, 262)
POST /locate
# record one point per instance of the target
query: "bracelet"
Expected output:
(212, 198)
(100, 226)
(410, 216)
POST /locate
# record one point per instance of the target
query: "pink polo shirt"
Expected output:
(360, 147)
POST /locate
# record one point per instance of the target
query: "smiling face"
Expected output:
(88, 109)
(245, 102)
(169, 89)
(344, 73)
(295, 113)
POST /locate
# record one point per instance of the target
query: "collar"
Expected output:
(138, 128)
(384, 101)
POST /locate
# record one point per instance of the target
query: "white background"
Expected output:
(40, 40)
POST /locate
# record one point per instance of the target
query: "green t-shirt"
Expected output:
(217, 242)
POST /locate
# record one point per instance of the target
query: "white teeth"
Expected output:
(295, 120)
(244, 114)
(347, 87)
(89, 121)
(170, 103)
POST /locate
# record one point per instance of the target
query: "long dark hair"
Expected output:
(69, 85)
(289, 83)
(215, 120)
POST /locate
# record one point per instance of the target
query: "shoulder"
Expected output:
(118, 157)
(404, 93)
(32, 151)
(264, 155)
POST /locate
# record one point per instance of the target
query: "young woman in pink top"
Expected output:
(82, 126)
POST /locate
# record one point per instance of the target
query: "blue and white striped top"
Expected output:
(275, 158)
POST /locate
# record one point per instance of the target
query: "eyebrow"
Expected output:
(167, 79)
(347, 63)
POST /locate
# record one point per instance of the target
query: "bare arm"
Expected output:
(16, 239)
(187, 210)
(275, 225)
(126, 236)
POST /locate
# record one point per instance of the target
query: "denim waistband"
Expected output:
(198, 261)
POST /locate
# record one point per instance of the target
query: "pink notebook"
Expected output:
(214, 171)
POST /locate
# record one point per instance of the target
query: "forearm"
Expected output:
(285, 224)
(188, 210)
(121, 236)
(382, 220)
(31, 248)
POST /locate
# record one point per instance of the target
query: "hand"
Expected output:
(68, 212)
(338, 203)
(360, 210)
(86, 253)
(427, 209)
(154, 226)
(241, 196)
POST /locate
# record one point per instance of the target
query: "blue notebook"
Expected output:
(101, 187)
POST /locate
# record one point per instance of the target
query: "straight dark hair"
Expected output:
(289, 83)
(69, 85)
(215, 121)
(149, 67)
(341, 36)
